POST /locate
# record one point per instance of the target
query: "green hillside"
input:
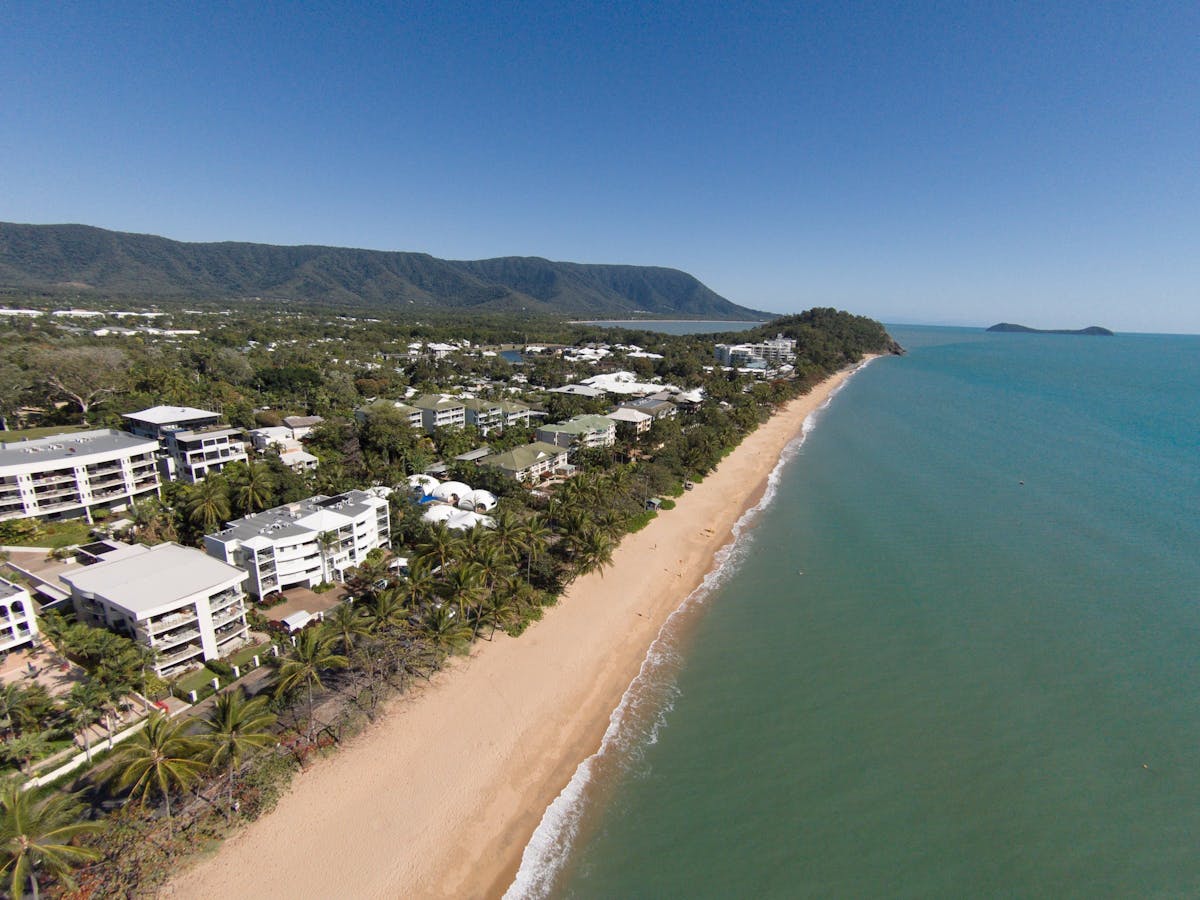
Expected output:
(79, 258)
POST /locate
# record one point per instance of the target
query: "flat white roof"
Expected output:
(155, 578)
(76, 446)
(167, 415)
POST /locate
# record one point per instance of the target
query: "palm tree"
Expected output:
(312, 655)
(10, 702)
(346, 623)
(84, 708)
(445, 627)
(159, 759)
(256, 489)
(233, 729)
(208, 504)
(325, 540)
(386, 611)
(36, 835)
(593, 551)
(440, 546)
(465, 586)
(509, 534)
(537, 537)
(419, 583)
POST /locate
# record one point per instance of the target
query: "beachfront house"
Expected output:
(73, 475)
(180, 602)
(303, 543)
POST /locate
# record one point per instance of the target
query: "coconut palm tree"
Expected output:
(326, 540)
(509, 534)
(440, 546)
(233, 729)
(36, 835)
(445, 627)
(302, 668)
(593, 550)
(208, 504)
(346, 623)
(537, 538)
(10, 702)
(387, 611)
(256, 489)
(84, 708)
(159, 759)
(420, 583)
(464, 586)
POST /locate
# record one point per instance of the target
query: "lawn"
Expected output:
(20, 434)
(54, 535)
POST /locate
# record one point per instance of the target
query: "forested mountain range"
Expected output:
(81, 259)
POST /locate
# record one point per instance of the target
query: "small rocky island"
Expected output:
(1025, 329)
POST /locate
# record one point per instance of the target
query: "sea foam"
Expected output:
(646, 703)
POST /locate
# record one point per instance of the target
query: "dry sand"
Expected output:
(440, 797)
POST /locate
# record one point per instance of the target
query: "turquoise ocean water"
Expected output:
(956, 653)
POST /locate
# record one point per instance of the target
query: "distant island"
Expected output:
(1025, 329)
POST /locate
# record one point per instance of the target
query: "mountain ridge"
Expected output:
(58, 258)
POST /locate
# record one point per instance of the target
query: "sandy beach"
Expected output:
(439, 798)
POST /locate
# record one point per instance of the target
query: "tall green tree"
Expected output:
(36, 836)
(304, 667)
(159, 759)
(233, 729)
(208, 504)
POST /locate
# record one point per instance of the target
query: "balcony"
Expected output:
(228, 616)
(157, 626)
(224, 600)
(176, 637)
(165, 662)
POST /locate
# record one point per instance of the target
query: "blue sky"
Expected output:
(955, 163)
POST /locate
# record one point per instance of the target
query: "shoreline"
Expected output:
(440, 796)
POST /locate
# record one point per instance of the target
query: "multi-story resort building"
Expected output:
(306, 543)
(530, 462)
(18, 623)
(72, 475)
(774, 352)
(631, 422)
(180, 602)
(440, 411)
(194, 442)
(580, 431)
(488, 414)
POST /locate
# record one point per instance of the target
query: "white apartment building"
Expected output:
(180, 602)
(776, 351)
(488, 414)
(18, 622)
(193, 440)
(440, 411)
(70, 475)
(306, 543)
(580, 431)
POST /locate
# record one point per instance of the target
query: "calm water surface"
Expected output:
(957, 655)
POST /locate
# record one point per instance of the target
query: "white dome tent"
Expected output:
(438, 513)
(425, 483)
(472, 500)
(451, 491)
(464, 520)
